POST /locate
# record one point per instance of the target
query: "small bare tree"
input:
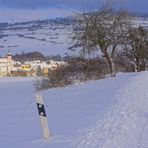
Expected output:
(101, 31)
(137, 47)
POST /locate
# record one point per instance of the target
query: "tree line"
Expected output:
(109, 32)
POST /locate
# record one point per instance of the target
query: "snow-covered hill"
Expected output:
(109, 113)
(50, 37)
(47, 36)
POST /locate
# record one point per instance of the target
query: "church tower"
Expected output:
(9, 62)
(9, 57)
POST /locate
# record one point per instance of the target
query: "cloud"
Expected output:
(16, 15)
(23, 10)
(137, 5)
(39, 3)
(33, 4)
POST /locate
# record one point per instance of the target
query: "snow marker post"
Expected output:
(43, 118)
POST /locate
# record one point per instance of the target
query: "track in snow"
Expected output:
(114, 113)
(126, 124)
(144, 136)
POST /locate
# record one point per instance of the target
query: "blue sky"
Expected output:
(137, 5)
(27, 9)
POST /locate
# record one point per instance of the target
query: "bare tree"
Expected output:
(101, 31)
(137, 47)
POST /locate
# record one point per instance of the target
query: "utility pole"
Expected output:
(43, 117)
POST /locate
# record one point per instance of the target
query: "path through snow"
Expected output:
(126, 124)
(109, 113)
(143, 143)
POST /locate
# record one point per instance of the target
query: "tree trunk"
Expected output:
(140, 65)
(110, 63)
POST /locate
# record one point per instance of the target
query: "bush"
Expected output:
(123, 64)
(76, 70)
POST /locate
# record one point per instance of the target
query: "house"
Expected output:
(9, 67)
(6, 65)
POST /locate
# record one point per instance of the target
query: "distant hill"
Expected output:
(50, 36)
(66, 21)
(140, 14)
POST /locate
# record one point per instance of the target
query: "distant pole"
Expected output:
(42, 115)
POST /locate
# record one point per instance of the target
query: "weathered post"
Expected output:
(43, 117)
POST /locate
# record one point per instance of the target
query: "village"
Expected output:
(10, 67)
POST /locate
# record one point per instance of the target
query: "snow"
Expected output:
(122, 125)
(109, 113)
(49, 40)
(139, 21)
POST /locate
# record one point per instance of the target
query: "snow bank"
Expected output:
(123, 125)
(109, 113)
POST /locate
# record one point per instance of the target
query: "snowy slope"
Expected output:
(125, 124)
(43, 36)
(47, 38)
(109, 113)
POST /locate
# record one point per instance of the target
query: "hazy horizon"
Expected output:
(24, 10)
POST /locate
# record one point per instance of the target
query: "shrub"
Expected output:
(76, 70)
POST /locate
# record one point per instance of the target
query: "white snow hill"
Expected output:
(108, 113)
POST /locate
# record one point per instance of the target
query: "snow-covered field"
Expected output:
(49, 39)
(109, 113)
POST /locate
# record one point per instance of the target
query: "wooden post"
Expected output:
(43, 117)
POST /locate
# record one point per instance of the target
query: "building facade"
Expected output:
(6, 65)
(10, 67)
